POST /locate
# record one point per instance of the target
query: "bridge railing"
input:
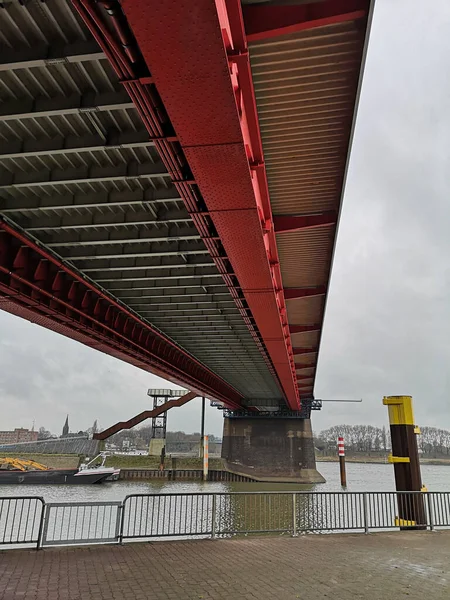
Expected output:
(73, 523)
(21, 520)
(29, 520)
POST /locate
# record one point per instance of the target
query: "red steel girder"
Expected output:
(36, 285)
(298, 351)
(124, 55)
(211, 105)
(288, 223)
(296, 293)
(305, 366)
(262, 22)
(304, 328)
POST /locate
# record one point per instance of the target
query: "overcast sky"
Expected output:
(387, 328)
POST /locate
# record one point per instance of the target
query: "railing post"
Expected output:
(41, 525)
(45, 523)
(430, 511)
(294, 515)
(121, 520)
(366, 519)
(213, 524)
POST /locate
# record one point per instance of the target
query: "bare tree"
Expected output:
(44, 434)
(358, 438)
(433, 442)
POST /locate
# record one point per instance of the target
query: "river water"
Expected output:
(360, 478)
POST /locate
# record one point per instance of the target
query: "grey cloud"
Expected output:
(44, 376)
(387, 325)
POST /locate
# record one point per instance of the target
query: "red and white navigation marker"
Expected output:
(341, 452)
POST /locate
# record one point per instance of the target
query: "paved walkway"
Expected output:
(380, 566)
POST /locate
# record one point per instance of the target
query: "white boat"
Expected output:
(89, 468)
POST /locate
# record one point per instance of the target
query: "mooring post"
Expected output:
(405, 458)
(341, 452)
(205, 458)
(162, 458)
(202, 429)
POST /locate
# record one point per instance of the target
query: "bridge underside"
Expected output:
(174, 210)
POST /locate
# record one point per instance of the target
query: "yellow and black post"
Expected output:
(405, 458)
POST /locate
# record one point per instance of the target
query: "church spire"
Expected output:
(65, 430)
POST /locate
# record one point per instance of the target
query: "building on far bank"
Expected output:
(67, 434)
(18, 435)
(65, 431)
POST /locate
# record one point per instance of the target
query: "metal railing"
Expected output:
(21, 520)
(80, 523)
(29, 520)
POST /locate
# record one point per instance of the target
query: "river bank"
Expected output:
(124, 461)
(119, 461)
(379, 460)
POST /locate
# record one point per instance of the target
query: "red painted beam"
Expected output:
(295, 293)
(289, 223)
(216, 162)
(262, 22)
(306, 366)
(210, 101)
(298, 351)
(36, 285)
(146, 414)
(304, 328)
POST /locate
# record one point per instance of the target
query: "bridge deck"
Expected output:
(378, 566)
(172, 208)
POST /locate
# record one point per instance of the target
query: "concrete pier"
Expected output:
(270, 449)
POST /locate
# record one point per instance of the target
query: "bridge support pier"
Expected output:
(277, 449)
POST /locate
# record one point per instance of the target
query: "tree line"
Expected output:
(140, 437)
(358, 438)
(433, 442)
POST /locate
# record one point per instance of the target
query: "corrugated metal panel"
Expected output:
(104, 158)
(305, 86)
(306, 371)
(305, 311)
(57, 79)
(307, 339)
(304, 256)
(70, 124)
(34, 23)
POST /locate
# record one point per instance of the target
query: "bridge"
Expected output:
(172, 178)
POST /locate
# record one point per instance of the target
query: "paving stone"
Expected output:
(382, 566)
